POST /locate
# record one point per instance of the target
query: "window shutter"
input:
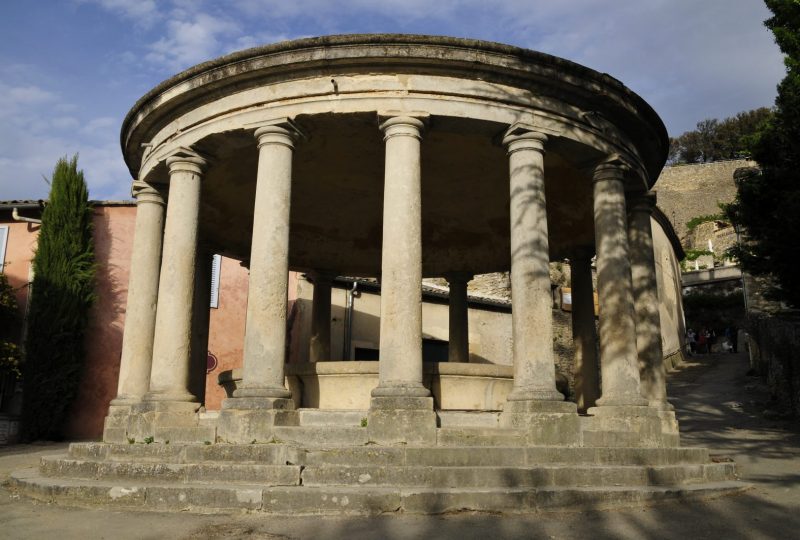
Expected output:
(216, 263)
(3, 242)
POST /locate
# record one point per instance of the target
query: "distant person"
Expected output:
(732, 335)
(702, 342)
(691, 339)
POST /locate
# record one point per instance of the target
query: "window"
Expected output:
(216, 263)
(3, 242)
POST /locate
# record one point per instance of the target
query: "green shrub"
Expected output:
(61, 294)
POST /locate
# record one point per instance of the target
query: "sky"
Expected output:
(71, 69)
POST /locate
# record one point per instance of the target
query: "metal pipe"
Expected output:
(15, 215)
(348, 322)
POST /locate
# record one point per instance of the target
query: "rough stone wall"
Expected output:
(774, 343)
(689, 191)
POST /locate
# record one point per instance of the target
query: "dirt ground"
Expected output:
(718, 406)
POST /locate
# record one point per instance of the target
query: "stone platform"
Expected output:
(466, 469)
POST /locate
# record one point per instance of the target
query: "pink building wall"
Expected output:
(113, 236)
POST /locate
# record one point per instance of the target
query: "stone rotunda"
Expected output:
(395, 157)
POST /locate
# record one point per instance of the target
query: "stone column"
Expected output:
(458, 347)
(265, 326)
(262, 398)
(401, 409)
(140, 314)
(400, 368)
(531, 300)
(618, 356)
(534, 403)
(584, 332)
(645, 294)
(170, 377)
(320, 342)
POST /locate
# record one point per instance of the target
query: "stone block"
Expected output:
(466, 457)
(187, 498)
(115, 434)
(246, 426)
(480, 437)
(331, 501)
(266, 475)
(185, 434)
(322, 436)
(632, 426)
(545, 423)
(258, 403)
(366, 455)
(401, 403)
(360, 475)
(401, 426)
(268, 454)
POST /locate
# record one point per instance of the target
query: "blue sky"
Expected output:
(71, 69)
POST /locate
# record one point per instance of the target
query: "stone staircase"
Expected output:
(474, 468)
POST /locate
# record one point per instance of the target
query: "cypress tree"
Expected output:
(768, 201)
(61, 295)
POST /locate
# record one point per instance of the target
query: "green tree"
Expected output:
(714, 140)
(62, 293)
(768, 201)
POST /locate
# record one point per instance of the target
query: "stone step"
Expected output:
(324, 436)
(267, 475)
(281, 454)
(356, 500)
(275, 454)
(626, 439)
(515, 477)
(331, 417)
(480, 436)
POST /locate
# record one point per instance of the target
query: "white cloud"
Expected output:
(143, 12)
(191, 41)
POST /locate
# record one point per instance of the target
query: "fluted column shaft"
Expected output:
(400, 366)
(618, 355)
(140, 314)
(170, 377)
(265, 327)
(645, 293)
(531, 300)
(584, 332)
(458, 347)
(320, 342)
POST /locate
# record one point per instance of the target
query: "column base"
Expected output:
(166, 421)
(252, 419)
(547, 423)
(621, 400)
(410, 390)
(633, 426)
(401, 420)
(535, 394)
(272, 392)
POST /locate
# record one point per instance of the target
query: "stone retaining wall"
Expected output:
(774, 342)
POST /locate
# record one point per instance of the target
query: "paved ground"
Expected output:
(719, 406)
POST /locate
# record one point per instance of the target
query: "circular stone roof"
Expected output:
(335, 87)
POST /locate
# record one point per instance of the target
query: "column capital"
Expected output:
(642, 202)
(146, 193)
(464, 277)
(522, 136)
(582, 253)
(403, 124)
(186, 160)
(613, 167)
(282, 131)
(321, 275)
